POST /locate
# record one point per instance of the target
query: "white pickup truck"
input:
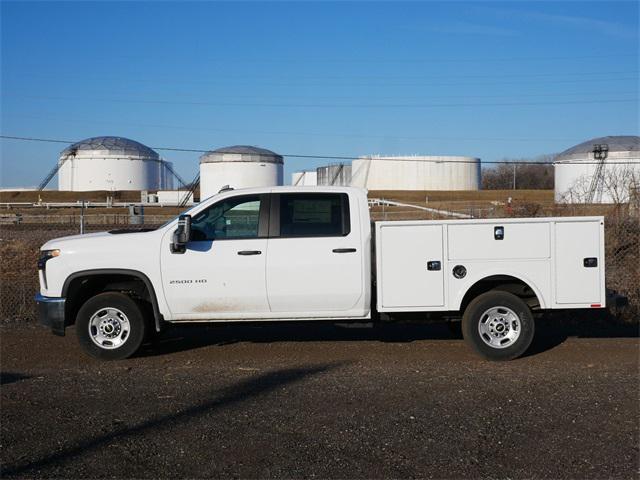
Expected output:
(309, 253)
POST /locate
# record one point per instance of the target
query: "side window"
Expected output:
(232, 218)
(314, 215)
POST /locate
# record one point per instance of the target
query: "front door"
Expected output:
(222, 272)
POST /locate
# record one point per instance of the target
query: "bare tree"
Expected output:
(528, 176)
(619, 184)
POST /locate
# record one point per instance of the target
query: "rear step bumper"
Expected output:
(616, 300)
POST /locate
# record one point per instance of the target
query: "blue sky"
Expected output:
(489, 79)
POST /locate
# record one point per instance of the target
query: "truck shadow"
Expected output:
(551, 330)
(11, 377)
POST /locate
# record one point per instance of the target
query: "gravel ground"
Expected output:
(321, 401)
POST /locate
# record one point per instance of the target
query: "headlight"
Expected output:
(45, 256)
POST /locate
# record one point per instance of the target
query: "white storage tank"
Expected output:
(416, 173)
(166, 176)
(576, 168)
(110, 163)
(336, 175)
(240, 166)
(306, 178)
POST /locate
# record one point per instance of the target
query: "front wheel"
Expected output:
(110, 326)
(498, 325)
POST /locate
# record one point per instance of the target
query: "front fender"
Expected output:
(120, 271)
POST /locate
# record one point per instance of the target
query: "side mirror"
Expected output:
(182, 234)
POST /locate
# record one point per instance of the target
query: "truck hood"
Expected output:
(104, 241)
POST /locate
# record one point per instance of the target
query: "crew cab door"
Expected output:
(314, 256)
(221, 274)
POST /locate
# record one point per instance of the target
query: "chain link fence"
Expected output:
(22, 236)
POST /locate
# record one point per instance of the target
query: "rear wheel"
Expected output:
(498, 325)
(110, 326)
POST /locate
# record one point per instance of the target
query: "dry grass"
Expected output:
(59, 196)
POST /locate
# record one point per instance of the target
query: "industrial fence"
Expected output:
(21, 240)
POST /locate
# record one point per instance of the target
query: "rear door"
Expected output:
(579, 262)
(314, 257)
(410, 266)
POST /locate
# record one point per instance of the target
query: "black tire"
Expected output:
(504, 304)
(135, 330)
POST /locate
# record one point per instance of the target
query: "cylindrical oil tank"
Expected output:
(109, 163)
(335, 175)
(239, 166)
(166, 177)
(306, 178)
(416, 173)
(619, 174)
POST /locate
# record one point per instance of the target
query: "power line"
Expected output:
(368, 76)
(337, 157)
(449, 59)
(413, 99)
(335, 105)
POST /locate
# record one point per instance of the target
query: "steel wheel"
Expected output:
(499, 327)
(109, 328)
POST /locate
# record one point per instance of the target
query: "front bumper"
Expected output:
(51, 313)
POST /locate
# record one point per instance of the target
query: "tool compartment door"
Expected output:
(408, 278)
(579, 262)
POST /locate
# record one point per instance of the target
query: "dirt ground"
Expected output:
(322, 401)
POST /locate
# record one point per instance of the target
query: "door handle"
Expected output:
(344, 250)
(590, 262)
(434, 265)
(249, 252)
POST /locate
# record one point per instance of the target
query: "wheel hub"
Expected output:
(109, 328)
(499, 327)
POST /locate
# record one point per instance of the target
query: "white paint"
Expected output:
(333, 281)
(532, 255)
(407, 283)
(215, 175)
(307, 178)
(221, 281)
(174, 197)
(87, 172)
(416, 173)
(574, 282)
(573, 177)
(303, 279)
(521, 240)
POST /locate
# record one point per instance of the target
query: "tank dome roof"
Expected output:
(110, 146)
(621, 145)
(241, 153)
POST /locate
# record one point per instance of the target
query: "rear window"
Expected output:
(314, 215)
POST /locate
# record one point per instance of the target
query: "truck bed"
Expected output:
(430, 265)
